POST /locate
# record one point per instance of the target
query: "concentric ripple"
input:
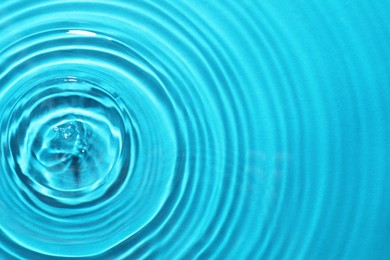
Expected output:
(65, 135)
(194, 130)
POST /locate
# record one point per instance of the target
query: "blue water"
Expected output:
(194, 129)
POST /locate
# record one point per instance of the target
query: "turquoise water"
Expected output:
(194, 129)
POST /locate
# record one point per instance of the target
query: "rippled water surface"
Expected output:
(194, 129)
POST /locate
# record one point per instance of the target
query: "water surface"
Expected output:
(194, 129)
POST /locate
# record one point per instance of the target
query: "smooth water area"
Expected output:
(194, 129)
